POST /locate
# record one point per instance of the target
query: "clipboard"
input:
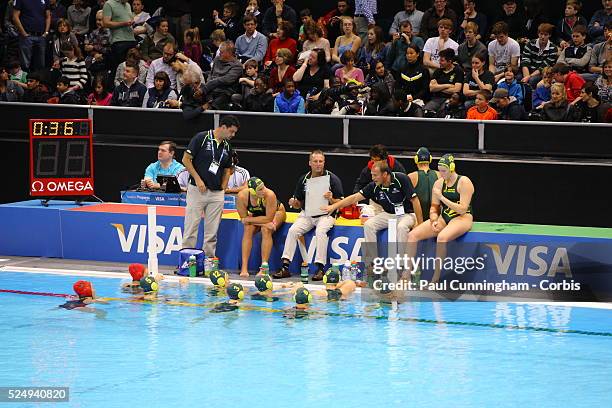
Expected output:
(315, 188)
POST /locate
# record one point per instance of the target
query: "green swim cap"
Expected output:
(149, 284)
(263, 283)
(448, 161)
(302, 296)
(253, 184)
(235, 291)
(218, 278)
(331, 276)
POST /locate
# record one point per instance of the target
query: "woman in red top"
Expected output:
(281, 71)
(283, 40)
(481, 110)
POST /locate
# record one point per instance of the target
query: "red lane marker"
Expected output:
(23, 292)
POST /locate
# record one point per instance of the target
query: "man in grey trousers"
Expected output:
(208, 160)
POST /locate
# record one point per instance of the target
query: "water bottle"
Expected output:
(264, 268)
(192, 266)
(215, 267)
(346, 271)
(304, 272)
(207, 267)
(354, 271)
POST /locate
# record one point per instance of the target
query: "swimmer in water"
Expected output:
(334, 289)
(87, 295)
(137, 271)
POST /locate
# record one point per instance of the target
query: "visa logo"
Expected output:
(537, 260)
(137, 234)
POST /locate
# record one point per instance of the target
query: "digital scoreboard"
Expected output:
(61, 157)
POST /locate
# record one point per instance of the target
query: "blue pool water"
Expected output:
(159, 355)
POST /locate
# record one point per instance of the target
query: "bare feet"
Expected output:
(244, 274)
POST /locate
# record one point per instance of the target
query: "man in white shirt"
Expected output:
(503, 51)
(433, 46)
(409, 13)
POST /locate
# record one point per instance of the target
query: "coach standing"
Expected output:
(208, 159)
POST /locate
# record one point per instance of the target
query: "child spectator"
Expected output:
(379, 74)
(78, 16)
(542, 91)
(17, 74)
(153, 45)
(100, 95)
(604, 83)
(470, 47)
(305, 18)
(511, 84)
(282, 70)
(396, 54)
(572, 19)
(577, 54)
(258, 100)
(481, 110)
(192, 47)
(73, 68)
(135, 58)
(289, 100)
(64, 35)
(283, 40)
(130, 91)
(349, 71)
(246, 82)
(230, 23)
(537, 55)
(453, 108)
(159, 95)
(140, 17)
(65, 94)
(503, 51)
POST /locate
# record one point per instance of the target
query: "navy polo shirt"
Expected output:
(32, 15)
(399, 191)
(203, 148)
(335, 186)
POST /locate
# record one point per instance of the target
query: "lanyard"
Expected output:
(213, 141)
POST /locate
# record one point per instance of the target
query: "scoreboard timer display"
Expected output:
(61, 157)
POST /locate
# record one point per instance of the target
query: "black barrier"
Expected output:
(440, 135)
(549, 139)
(15, 116)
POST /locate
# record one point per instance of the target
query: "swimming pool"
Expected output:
(356, 355)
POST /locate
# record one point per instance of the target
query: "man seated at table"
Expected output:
(165, 165)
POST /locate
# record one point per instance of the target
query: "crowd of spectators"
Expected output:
(445, 58)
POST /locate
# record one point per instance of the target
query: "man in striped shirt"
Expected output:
(538, 54)
(73, 68)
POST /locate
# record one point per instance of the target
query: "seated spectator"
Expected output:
(514, 18)
(252, 8)
(314, 39)
(65, 94)
(379, 74)
(305, 18)
(223, 79)
(470, 47)
(537, 55)
(445, 81)
(477, 79)
(377, 153)
(160, 94)
(230, 22)
(434, 45)
(17, 74)
(252, 44)
(380, 102)
(210, 49)
(166, 165)
(9, 90)
(192, 100)
(482, 110)
(192, 46)
(601, 51)
(406, 108)
(36, 91)
(64, 35)
(541, 94)
(289, 100)
(153, 45)
(512, 85)
(130, 91)
(349, 41)
(571, 20)
(100, 95)
(410, 13)
(313, 76)
(572, 81)
(73, 68)
(507, 106)
(279, 10)
(589, 107)
(246, 82)
(470, 15)
(258, 99)
(558, 109)
(413, 77)
(431, 18)
(163, 64)
(282, 70)
(577, 54)
(97, 46)
(349, 71)
(78, 17)
(396, 56)
(602, 18)
(503, 51)
(604, 83)
(452, 108)
(180, 63)
(282, 39)
(373, 50)
(135, 58)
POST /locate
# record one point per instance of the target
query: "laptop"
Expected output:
(169, 184)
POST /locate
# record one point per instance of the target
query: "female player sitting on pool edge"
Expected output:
(450, 215)
(259, 209)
